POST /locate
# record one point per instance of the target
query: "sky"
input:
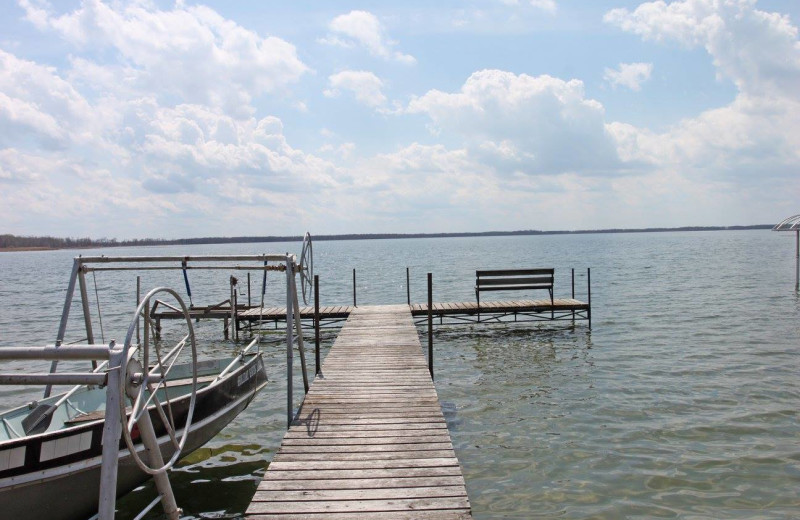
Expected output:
(169, 119)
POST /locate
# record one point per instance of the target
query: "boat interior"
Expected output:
(82, 404)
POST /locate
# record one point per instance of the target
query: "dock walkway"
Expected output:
(370, 440)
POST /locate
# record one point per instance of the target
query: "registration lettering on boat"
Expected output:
(245, 376)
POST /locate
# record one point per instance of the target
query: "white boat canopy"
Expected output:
(789, 224)
(792, 224)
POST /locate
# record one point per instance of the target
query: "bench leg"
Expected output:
(552, 306)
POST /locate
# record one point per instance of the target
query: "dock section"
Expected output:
(370, 440)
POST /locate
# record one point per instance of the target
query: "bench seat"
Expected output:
(514, 280)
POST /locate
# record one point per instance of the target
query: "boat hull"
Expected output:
(67, 487)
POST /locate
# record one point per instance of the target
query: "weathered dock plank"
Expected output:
(370, 440)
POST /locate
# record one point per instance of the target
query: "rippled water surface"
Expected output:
(681, 402)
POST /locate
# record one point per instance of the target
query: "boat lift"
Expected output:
(792, 224)
(123, 375)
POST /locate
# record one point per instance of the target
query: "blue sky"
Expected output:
(173, 119)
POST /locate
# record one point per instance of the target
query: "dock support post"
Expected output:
(289, 342)
(354, 288)
(573, 283)
(430, 324)
(573, 294)
(316, 325)
(408, 286)
(234, 321)
(248, 289)
(589, 293)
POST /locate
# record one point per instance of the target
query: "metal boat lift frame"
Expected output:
(112, 375)
(280, 262)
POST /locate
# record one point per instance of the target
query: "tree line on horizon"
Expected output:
(9, 241)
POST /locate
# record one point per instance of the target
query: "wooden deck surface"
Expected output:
(544, 305)
(370, 441)
(270, 313)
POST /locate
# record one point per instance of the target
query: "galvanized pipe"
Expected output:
(289, 342)
(150, 441)
(235, 360)
(430, 324)
(62, 326)
(589, 293)
(63, 378)
(188, 268)
(112, 428)
(408, 286)
(573, 283)
(138, 301)
(179, 259)
(299, 329)
(234, 324)
(64, 352)
(87, 315)
(573, 293)
(318, 365)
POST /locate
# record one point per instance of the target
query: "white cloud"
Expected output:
(757, 136)
(521, 123)
(196, 143)
(362, 28)
(365, 86)
(189, 51)
(344, 150)
(34, 100)
(757, 50)
(545, 5)
(152, 115)
(188, 156)
(630, 75)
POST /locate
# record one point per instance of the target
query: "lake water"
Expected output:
(681, 402)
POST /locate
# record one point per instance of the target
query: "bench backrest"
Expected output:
(511, 279)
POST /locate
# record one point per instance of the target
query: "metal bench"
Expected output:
(513, 280)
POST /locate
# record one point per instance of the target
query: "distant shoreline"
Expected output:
(32, 243)
(19, 249)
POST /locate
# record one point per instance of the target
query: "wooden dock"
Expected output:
(254, 313)
(279, 313)
(544, 309)
(370, 441)
(506, 306)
